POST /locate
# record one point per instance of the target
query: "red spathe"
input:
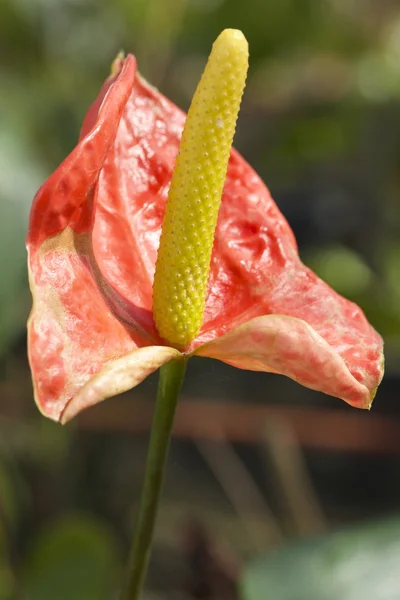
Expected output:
(92, 243)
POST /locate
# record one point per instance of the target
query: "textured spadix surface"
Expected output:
(184, 254)
(92, 243)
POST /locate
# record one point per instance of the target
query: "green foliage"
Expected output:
(8, 515)
(342, 268)
(75, 557)
(21, 174)
(358, 562)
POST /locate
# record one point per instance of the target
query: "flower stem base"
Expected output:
(169, 385)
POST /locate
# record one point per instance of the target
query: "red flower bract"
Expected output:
(93, 237)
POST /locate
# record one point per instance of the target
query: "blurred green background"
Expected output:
(257, 461)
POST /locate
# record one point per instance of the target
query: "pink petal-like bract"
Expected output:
(92, 244)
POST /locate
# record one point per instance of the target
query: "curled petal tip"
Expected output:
(289, 346)
(117, 63)
(118, 376)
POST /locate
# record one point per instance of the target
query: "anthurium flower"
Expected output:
(93, 239)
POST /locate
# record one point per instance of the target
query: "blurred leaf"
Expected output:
(341, 268)
(46, 443)
(9, 502)
(382, 313)
(357, 563)
(392, 271)
(20, 176)
(76, 558)
(7, 583)
(9, 509)
(378, 76)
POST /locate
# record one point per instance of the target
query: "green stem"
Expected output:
(169, 385)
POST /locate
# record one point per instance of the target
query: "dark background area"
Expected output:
(257, 461)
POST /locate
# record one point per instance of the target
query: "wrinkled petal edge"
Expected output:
(289, 346)
(118, 376)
